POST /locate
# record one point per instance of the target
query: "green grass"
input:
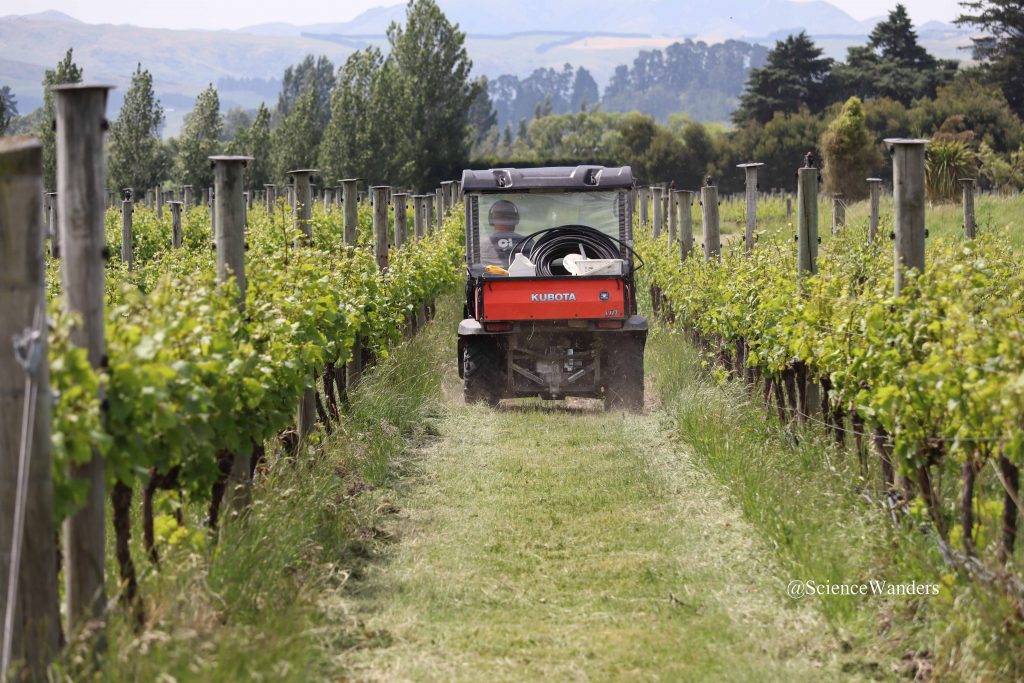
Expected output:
(267, 601)
(559, 542)
(823, 516)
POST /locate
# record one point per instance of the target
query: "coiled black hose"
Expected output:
(546, 248)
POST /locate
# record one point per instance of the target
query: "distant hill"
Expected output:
(723, 19)
(503, 38)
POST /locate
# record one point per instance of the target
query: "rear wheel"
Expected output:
(482, 370)
(623, 372)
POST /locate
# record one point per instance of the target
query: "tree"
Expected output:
(482, 116)
(1001, 48)
(311, 74)
(584, 90)
(849, 153)
(8, 108)
(134, 156)
(296, 140)
(66, 72)
(794, 76)
(254, 141)
(200, 137)
(354, 138)
(432, 69)
(236, 120)
(893, 64)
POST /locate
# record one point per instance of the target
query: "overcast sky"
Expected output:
(231, 14)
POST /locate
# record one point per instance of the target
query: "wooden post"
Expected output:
(302, 209)
(750, 178)
(838, 212)
(127, 252)
(908, 201)
(349, 190)
(380, 224)
(35, 627)
(401, 218)
(175, 224)
(271, 196)
(658, 217)
(229, 237)
(874, 191)
(672, 199)
(969, 225)
(187, 197)
(709, 221)
(685, 200)
(419, 208)
(644, 194)
(446, 196)
(54, 226)
(807, 220)
(303, 212)
(81, 119)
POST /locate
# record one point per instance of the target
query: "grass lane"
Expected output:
(559, 542)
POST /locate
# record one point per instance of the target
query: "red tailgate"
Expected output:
(517, 298)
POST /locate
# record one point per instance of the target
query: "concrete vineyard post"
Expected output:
(380, 224)
(338, 192)
(127, 252)
(750, 179)
(81, 113)
(401, 218)
(807, 220)
(212, 206)
(186, 193)
(685, 223)
(159, 202)
(874, 191)
(429, 213)
(644, 196)
(36, 632)
(245, 208)
(229, 238)
(658, 217)
(709, 222)
(969, 225)
(439, 201)
(908, 202)
(838, 212)
(175, 224)
(789, 208)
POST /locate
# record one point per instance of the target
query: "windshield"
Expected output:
(508, 217)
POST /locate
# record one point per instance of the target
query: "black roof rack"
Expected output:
(549, 178)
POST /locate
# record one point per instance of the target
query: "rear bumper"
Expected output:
(634, 323)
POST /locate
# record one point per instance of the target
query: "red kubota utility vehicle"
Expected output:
(551, 298)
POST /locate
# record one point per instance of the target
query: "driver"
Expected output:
(503, 217)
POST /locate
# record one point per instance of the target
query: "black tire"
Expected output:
(623, 372)
(483, 371)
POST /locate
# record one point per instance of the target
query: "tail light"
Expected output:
(497, 327)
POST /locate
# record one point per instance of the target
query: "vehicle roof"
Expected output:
(548, 178)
